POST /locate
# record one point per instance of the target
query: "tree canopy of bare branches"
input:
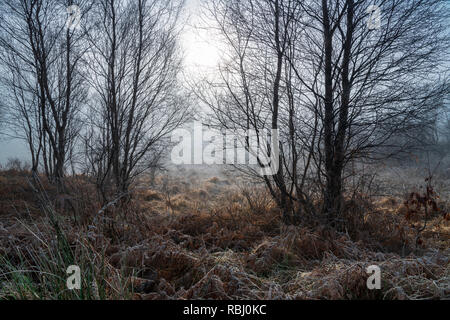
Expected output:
(107, 85)
(337, 88)
(133, 67)
(40, 58)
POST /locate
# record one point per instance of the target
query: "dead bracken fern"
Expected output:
(234, 248)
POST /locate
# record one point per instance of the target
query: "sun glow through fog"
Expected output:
(200, 52)
(200, 45)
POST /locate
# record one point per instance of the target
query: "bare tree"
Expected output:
(42, 56)
(374, 81)
(133, 65)
(338, 88)
(258, 90)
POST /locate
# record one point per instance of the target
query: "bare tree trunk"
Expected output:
(332, 193)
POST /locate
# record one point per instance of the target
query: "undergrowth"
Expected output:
(209, 240)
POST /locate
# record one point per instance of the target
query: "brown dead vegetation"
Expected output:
(198, 243)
